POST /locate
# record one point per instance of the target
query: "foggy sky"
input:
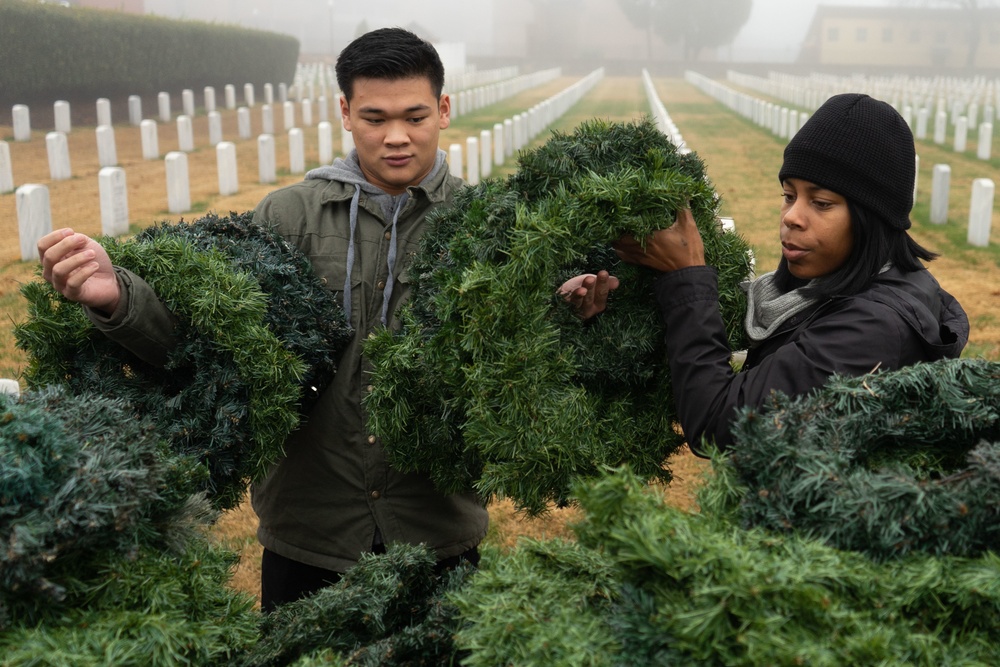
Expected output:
(773, 33)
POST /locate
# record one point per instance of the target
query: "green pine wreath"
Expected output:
(258, 337)
(885, 464)
(494, 383)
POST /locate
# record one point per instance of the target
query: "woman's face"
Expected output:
(816, 235)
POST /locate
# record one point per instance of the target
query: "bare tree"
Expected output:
(697, 25)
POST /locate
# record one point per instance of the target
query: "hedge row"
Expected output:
(48, 50)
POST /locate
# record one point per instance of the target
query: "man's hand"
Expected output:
(79, 268)
(588, 293)
(676, 247)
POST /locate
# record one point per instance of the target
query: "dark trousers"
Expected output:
(285, 580)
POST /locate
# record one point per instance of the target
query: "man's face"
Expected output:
(396, 125)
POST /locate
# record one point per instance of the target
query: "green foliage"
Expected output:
(494, 383)
(76, 473)
(51, 50)
(255, 328)
(103, 559)
(668, 587)
(885, 464)
(389, 609)
(154, 607)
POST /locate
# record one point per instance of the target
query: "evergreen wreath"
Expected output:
(494, 383)
(885, 464)
(258, 337)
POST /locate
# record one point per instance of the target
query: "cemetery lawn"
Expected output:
(742, 161)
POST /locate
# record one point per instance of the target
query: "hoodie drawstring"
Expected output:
(390, 258)
(350, 252)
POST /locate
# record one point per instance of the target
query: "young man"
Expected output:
(359, 220)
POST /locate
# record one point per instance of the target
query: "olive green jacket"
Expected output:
(320, 505)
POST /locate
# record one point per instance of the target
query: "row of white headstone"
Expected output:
(962, 106)
(785, 122)
(664, 122)
(33, 203)
(494, 147)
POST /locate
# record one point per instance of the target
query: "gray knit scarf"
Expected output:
(768, 308)
(348, 170)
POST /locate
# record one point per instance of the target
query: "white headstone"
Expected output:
(214, 128)
(107, 154)
(34, 218)
(940, 188)
(225, 157)
(61, 115)
(178, 183)
(323, 108)
(455, 160)
(267, 119)
(248, 94)
(266, 159)
(103, 111)
(985, 146)
(940, 126)
(783, 120)
(58, 151)
(508, 137)
(282, 92)
(134, 110)
(268, 94)
(498, 141)
(288, 109)
(6, 169)
(346, 140)
(296, 151)
(981, 212)
(114, 201)
(10, 387)
(243, 122)
(307, 113)
(21, 117)
(325, 130)
(961, 134)
(793, 122)
(230, 93)
(916, 176)
(922, 116)
(163, 104)
(185, 134)
(518, 132)
(150, 140)
(187, 102)
(209, 99)
(472, 160)
(485, 154)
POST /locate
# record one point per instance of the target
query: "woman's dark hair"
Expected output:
(388, 53)
(875, 244)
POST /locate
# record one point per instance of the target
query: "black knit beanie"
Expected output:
(861, 149)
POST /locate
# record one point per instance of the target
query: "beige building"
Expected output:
(893, 37)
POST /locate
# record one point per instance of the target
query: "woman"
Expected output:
(850, 295)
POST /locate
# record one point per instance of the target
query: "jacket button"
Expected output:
(370, 388)
(388, 236)
(381, 284)
(371, 440)
(376, 495)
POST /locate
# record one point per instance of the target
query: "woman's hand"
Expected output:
(676, 247)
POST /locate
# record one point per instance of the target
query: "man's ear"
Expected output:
(345, 113)
(444, 111)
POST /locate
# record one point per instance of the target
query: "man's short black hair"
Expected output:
(389, 53)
